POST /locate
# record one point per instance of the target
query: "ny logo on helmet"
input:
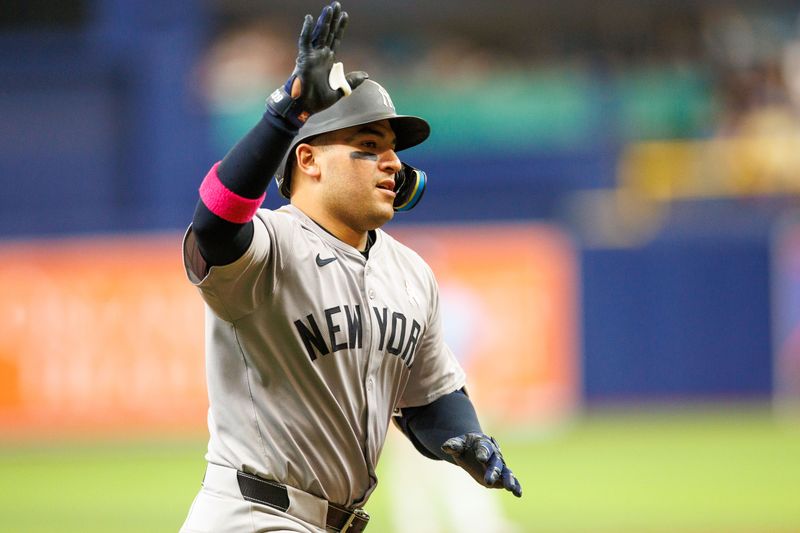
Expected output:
(387, 100)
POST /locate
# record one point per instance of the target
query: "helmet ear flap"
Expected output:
(284, 186)
(283, 179)
(409, 187)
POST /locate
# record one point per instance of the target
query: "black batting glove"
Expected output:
(480, 456)
(316, 83)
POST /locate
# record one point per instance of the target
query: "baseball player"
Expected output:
(320, 328)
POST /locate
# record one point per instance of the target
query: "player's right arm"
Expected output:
(234, 188)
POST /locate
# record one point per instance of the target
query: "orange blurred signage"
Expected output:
(509, 305)
(107, 335)
(99, 335)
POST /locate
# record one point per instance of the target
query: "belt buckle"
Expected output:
(356, 513)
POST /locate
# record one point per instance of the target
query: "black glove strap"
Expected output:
(281, 104)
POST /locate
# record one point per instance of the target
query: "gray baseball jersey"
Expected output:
(309, 349)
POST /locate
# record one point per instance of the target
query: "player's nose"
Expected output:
(389, 162)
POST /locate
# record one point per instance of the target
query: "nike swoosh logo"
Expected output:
(322, 262)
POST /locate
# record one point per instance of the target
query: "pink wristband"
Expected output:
(225, 203)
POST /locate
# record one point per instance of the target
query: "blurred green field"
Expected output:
(687, 470)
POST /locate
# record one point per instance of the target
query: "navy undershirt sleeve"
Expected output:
(246, 170)
(429, 426)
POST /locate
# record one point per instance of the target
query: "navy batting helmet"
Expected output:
(369, 102)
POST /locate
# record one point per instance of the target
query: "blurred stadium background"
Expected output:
(612, 215)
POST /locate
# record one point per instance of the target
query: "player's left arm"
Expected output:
(448, 429)
(222, 222)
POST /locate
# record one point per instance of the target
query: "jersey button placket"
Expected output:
(373, 361)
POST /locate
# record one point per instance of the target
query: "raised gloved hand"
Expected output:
(316, 83)
(480, 455)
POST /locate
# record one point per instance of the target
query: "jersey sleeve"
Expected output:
(436, 370)
(236, 289)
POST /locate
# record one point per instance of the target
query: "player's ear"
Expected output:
(305, 156)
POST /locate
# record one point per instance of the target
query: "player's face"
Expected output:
(358, 165)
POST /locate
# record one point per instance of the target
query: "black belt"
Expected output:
(255, 489)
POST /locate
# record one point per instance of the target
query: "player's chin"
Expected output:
(385, 202)
(386, 213)
(382, 213)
